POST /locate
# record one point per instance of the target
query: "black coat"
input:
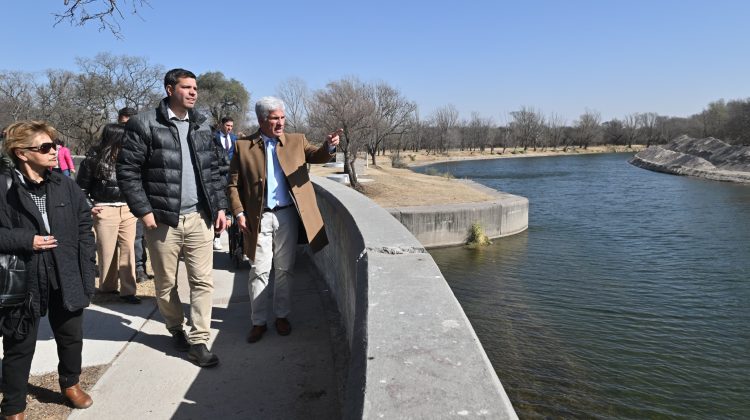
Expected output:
(149, 166)
(101, 188)
(70, 223)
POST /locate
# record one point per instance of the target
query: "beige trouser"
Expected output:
(277, 248)
(193, 237)
(115, 228)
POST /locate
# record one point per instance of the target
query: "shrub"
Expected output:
(397, 162)
(435, 172)
(477, 237)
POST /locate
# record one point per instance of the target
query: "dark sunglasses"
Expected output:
(43, 148)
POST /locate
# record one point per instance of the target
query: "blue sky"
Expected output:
(615, 57)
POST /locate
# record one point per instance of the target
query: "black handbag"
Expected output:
(12, 276)
(12, 281)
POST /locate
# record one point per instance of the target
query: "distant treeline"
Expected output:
(375, 116)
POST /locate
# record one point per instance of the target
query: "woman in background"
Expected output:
(45, 220)
(64, 159)
(113, 222)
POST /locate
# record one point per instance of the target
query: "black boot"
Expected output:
(200, 355)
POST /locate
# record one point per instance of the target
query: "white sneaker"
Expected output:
(217, 244)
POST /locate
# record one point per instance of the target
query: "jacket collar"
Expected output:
(194, 117)
(51, 176)
(258, 138)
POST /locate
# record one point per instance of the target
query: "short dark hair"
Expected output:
(226, 120)
(127, 112)
(170, 79)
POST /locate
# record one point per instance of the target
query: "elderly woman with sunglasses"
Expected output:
(44, 219)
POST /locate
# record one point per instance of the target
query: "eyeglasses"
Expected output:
(43, 148)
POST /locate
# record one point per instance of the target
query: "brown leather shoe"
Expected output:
(78, 397)
(256, 333)
(19, 416)
(283, 327)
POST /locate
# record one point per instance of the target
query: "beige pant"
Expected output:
(277, 248)
(115, 228)
(193, 237)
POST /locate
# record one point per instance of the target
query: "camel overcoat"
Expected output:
(247, 184)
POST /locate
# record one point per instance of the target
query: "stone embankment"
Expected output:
(707, 158)
(449, 224)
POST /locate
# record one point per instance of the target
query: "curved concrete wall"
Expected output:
(449, 224)
(413, 352)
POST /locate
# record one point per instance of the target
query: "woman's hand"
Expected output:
(43, 243)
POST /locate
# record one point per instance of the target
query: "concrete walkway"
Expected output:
(278, 377)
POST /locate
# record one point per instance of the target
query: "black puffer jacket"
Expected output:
(149, 166)
(70, 223)
(100, 187)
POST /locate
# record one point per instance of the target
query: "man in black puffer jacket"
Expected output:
(169, 172)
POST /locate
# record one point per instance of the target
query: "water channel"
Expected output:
(628, 296)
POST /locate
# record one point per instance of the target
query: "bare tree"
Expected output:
(347, 104)
(527, 127)
(56, 104)
(445, 122)
(554, 131)
(16, 96)
(130, 81)
(714, 118)
(478, 132)
(631, 125)
(296, 95)
(647, 127)
(413, 136)
(588, 129)
(613, 132)
(736, 127)
(391, 118)
(105, 13)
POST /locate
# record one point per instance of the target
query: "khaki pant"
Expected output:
(115, 228)
(193, 237)
(277, 248)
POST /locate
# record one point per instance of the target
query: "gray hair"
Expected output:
(265, 105)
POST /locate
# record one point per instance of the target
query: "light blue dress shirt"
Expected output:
(277, 188)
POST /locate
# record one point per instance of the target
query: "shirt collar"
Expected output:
(172, 115)
(266, 139)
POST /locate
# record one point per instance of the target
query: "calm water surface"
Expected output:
(628, 297)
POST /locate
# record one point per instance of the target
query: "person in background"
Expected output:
(271, 195)
(45, 220)
(141, 275)
(124, 114)
(6, 164)
(170, 176)
(113, 222)
(226, 139)
(65, 160)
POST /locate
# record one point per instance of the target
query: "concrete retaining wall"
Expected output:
(413, 352)
(446, 225)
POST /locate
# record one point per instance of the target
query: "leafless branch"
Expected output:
(106, 12)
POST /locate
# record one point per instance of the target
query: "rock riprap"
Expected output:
(707, 158)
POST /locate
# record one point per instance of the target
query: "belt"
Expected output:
(277, 208)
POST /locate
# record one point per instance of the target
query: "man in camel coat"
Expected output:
(270, 193)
